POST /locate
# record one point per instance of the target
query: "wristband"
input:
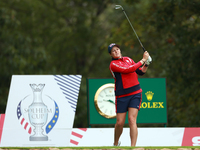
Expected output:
(143, 61)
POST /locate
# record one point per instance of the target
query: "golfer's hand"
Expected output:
(145, 56)
(149, 60)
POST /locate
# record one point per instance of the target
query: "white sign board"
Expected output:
(146, 137)
(40, 110)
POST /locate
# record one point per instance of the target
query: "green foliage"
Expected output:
(71, 37)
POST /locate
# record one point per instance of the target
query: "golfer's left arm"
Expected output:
(146, 65)
(145, 68)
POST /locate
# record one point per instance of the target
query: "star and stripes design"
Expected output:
(69, 85)
(25, 124)
(54, 120)
(77, 135)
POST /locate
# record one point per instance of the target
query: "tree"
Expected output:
(54, 37)
(71, 37)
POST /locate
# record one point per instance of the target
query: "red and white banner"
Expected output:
(2, 117)
(191, 137)
(146, 137)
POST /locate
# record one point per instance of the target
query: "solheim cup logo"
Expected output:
(37, 113)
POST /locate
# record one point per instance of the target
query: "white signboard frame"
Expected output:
(40, 110)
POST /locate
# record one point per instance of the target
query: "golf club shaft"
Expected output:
(133, 30)
(118, 7)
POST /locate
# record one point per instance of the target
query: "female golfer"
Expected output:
(127, 90)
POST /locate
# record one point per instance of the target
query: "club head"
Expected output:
(118, 7)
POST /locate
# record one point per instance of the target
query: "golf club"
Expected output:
(120, 7)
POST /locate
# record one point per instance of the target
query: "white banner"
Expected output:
(146, 137)
(40, 110)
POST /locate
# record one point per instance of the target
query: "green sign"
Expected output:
(153, 108)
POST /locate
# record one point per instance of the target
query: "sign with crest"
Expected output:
(40, 110)
(153, 108)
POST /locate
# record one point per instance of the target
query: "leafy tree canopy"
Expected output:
(71, 37)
